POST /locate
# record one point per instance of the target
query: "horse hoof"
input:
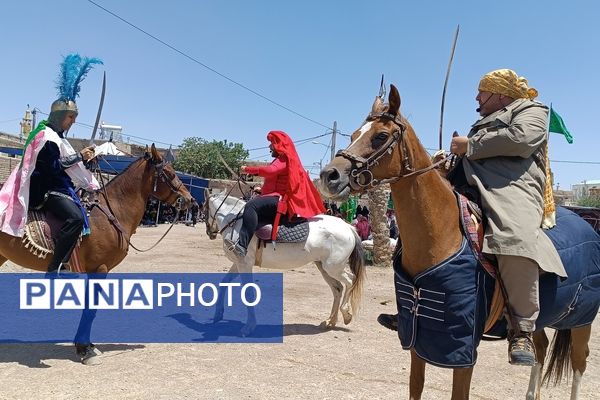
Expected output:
(327, 324)
(90, 356)
(347, 318)
(218, 318)
(91, 361)
(247, 330)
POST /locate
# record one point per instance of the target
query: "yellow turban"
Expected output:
(508, 83)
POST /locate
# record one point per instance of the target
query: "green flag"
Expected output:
(558, 126)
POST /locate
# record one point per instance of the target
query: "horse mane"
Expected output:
(235, 203)
(416, 144)
(119, 177)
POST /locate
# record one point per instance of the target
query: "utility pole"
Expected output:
(333, 140)
(34, 113)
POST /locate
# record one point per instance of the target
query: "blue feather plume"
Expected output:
(73, 70)
(86, 65)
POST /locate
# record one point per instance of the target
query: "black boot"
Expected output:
(390, 321)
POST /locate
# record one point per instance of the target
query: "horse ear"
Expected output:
(394, 101)
(377, 105)
(156, 157)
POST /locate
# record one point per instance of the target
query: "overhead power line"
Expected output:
(256, 93)
(297, 142)
(126, 135)
(10, 120)
(576, 162)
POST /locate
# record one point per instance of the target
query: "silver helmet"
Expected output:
(73, 70)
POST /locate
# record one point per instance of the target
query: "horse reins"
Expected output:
(363, 165)
(214, 218)
(160, 174)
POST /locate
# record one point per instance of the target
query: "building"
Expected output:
(113, 133)
(586, 188)
(563, 198)
(26, 124)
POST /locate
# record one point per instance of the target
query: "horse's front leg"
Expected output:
(84, 347)
(220, 306)
(417, 376)
(461, 383)
(246, 273)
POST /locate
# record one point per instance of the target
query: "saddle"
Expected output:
(43, 227)
(40, 230)
(293, 231)
(472, 225)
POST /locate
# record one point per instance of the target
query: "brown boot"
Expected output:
(521, 350)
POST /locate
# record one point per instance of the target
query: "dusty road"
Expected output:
(360, 361)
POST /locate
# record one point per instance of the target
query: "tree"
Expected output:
(200, 157)
(378, 203)
(589, 201)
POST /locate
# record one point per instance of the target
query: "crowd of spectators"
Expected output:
(350, 211)
(167, 214)
(359, 217)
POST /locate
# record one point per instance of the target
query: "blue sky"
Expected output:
(321, 59)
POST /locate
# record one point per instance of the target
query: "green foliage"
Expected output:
(199, 157)
(589, 201)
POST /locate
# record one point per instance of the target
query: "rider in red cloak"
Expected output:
(287, 190)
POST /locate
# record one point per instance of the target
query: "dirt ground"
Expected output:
(363, 360)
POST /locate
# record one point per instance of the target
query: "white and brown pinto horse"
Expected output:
(386, 149)
(332, 245)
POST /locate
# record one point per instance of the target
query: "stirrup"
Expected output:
(229, 244)
(235, 248)
(60, 272)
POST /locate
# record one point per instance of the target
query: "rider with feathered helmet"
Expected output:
(51, 170)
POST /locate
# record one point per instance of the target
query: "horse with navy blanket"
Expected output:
(442, 289)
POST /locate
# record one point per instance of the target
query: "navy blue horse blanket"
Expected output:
(442, 311)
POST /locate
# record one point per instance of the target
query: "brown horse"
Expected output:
(124, 198)
(386, 150)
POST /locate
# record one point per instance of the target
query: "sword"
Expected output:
(446, 83)
(381, 88)
(236, 176)
(99, 109)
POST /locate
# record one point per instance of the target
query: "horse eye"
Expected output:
(379, 139)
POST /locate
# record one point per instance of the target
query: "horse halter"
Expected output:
(361, 177)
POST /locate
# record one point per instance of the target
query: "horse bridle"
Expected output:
(162, 175)
(209, 223)
(361, 177)
(159, 174)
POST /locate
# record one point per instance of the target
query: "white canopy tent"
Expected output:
(108, 148)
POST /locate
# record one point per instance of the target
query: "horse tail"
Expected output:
(357, 266)
(560, 357)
